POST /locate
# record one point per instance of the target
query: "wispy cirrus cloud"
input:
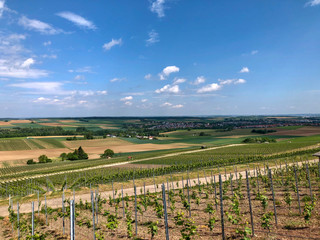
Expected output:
(157, 6)
(217, 86)
(111, 44)
(2, 7)
(153, 38)
(313, 3)
(39, 26)
(170, 105)
(77, 20)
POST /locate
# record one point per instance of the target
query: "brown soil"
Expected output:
(68, 121)
(286, 218)
(304, 131)
(56, 125)
(20, 121)
(5, 123)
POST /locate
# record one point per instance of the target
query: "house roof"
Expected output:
(316, 154)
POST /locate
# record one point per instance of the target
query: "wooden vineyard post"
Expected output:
(168, 191)
(18, 221)
(249, 199)
(231, 184)
(38, 204)
(45, 208)
(319, 167)
(189, 199)
(154, 183)
(215, 192)
(308, 174)
(258, 181)
(72, 220)
(144, 189)
(135, 209)
(97, 205)
(172, 182)
(93, 216)
(32, 219)
(63, 213)
(198, 182)
(182, 184)
(221, 207)
(165, 211)
(297, 187)
(205, 176)
(274, 201)
(113, 190)
(122, 201)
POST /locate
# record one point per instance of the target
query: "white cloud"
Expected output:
(77, 20)
(313, 3)
(126, 98)
(179, 80)
(18, 72)
(240, 81)
(148, 76)
(104, 92)
(79, 77)
(153, 37)
(209, 88)
(144, 100)
(177, 106)
(128, 103)
(82, 102)
(27, 63)
(166, 104)
(157, 6)
(168, 89)
(199, 80)
(254, 52)
(244, 70)
(167, 71)
(47, 43)
(2, 2)
(86, 69)
(46, 87)
(52, 56)
(170, 105)
(112, 43)
(117, 79)
(36, 25)
(231, 81)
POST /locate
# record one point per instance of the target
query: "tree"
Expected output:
(30, 161)
(107, 153)
(63, 156)
(82, 154)
(72, 156)
(44, 159)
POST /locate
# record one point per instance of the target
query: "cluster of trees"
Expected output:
(259, 140)
(263, 131)
(41, 159)
(78, 154)
(108, 153)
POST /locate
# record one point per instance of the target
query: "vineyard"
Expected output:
(260, 203)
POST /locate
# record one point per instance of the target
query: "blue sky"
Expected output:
(159, 57)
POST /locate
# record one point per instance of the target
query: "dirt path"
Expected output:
(119, 164)
(57, 203)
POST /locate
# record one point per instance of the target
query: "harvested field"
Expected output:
(97, 143)
(93, 152)
(20, 121)
(65, 136)
(2, 123)
(68, 121)
(56, 125)
(303, 132)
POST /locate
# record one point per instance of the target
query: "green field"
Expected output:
(16, 144)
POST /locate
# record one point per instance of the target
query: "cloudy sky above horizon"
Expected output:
(159, 57)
